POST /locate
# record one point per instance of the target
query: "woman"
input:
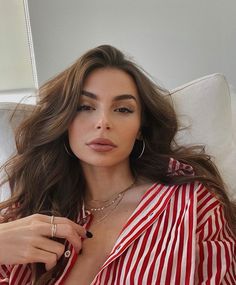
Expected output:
(101, 192)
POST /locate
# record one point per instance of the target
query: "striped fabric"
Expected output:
(176, 235)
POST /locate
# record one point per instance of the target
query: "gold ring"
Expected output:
(52, 219)
(53, 230)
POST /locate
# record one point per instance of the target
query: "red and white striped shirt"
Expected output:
(176, 235)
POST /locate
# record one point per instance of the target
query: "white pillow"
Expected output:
(7, 127)
(205, 106)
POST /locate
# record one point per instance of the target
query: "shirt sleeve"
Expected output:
(4, 274)
(15, 274)
(216, 244)
(18, 274)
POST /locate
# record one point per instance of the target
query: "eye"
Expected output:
(124, 110)
(84, 108)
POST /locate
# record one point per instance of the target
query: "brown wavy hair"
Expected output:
(42, 172)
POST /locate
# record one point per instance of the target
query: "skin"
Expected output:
(27, 240)
(105, 115)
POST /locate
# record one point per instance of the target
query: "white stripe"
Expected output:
(133, 262)
(154, 206)
(174, 231)
(146, 250)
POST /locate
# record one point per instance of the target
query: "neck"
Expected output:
(104, 182)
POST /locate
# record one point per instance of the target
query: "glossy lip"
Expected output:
(101, 145)
(102, 141)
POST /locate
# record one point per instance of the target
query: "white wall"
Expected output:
(175, 41)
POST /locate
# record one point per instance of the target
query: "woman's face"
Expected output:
(108, 119)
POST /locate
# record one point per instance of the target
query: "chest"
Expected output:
(96, 250)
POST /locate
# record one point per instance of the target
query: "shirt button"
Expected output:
(67, 253)
(118, 248)
(150, 215)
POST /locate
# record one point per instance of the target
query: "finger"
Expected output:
(68, 232)
(80, 230)
(65, 231)
(50, 246)
(61, 220)
(42, 256)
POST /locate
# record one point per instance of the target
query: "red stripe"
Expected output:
(202, 193)
(201, 257)
(24, 274)
(225, 237)
(114, 271)
(120, 267)
(143, 221)
(161, 264)
(152, 267)
(158, 248)
(147, 256)
(209, 254)
(140, 250)
(155, 193)
(133, 249)
(165, 197)
(182, 238)
(4, 272)
(165, 239)
(190, 237)
(73, 261)
(170, 259)
(16, 273)
(109, 273)
(207, 209)
(205, 212)
(219, 260)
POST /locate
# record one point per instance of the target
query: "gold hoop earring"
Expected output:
(143, 149)
(67, 151)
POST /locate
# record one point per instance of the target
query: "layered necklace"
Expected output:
(114, 201)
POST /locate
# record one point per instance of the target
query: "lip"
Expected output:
(102, 141)
(101, 145)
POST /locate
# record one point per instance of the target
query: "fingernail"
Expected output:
(89, 234)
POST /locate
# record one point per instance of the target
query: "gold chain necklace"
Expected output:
(101, 208)
(109, 212)
(119, 197)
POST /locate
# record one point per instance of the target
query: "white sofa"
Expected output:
(205, 105)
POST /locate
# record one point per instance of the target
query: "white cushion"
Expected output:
(7, 127)
(205, 106)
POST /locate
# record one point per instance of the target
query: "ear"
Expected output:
(139, 136)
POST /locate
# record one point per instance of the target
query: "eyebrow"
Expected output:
(116, 98)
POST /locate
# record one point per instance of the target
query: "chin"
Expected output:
(103, 162)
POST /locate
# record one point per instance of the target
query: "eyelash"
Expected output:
(125, 110)
(84, 108)
(89, 108)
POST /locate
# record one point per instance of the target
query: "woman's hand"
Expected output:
(27, 240)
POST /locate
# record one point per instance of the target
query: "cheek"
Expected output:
(130, 133)
(75, 131)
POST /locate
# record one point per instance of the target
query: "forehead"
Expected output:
(110, 81)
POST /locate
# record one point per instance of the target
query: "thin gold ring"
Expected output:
(53, 230)
(52, 219)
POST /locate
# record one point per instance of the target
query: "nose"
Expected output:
(103, 122)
